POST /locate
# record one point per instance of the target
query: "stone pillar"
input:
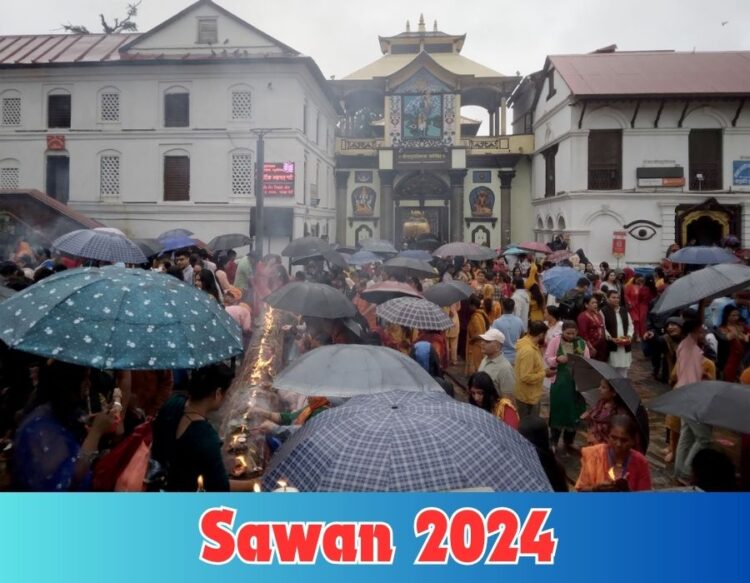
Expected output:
(387, 211)
(506, 178)
(457, 205)
(342, 181)
(496, 119)
(503, 116)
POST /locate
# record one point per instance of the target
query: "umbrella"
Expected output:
(447, 293)
(379, 246)
(305, 246)
(707, 283)
(535, 247)
(388, 290)
(588, 374)
(470, 251)
(428, 243)
(175, 243)
(6, 292)
(414, 313)
(333, 258)
(514, 251)
(110, 230)
(346, 370)
(173, 233)
(364, 257)
(558, 256)
(100, 246)
(703, 256)
(406, 441)
(312, 299)
(149, 247)
(560, 280)
(420, 254)
(410, 267)
(226, 242)
(118, 318)
(716, 403)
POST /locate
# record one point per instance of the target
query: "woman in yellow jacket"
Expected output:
(537, 303)
(478, 324)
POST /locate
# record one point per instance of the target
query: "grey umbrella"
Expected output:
(447, 293)
(380, 293)
(379, 246)
(149, 246)
(410, 267)
(470, 251)
(173, 233)
(406, 441)
(312, 299)
(716, 403)
(346, 370)
(100, 246)
(703, 256)
(306, 246)
(704, 284)
(231, 241)
(414, 313)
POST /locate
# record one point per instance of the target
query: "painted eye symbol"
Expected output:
(642, 230)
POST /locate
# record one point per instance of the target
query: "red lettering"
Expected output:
(340, 543)
(297, 542)
(468, 540)
(369, 533)
(505, 522)
(535, 542)
(254, 543)
(218, 546)
(434, 523)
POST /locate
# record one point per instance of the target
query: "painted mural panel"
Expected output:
(482, 202)
(422, 117)
(363, 201)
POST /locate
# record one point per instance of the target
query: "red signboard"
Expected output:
(618, 243)
(278, 178)
(56, 142)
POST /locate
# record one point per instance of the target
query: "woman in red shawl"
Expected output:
(633, 302)
(591, 329)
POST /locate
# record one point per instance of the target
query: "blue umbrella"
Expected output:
(514, 251)
(175, 243)
(420, 254)
(406, 441)
(118, 318)
(703, 256)
(364, 257)
(560, 280)
(100, 246)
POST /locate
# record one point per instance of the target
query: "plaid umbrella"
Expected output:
(414, 313)
(470, 251)
(118, 318)
(707, 283)
(346, 370)
(231, 241)
(406, 441)
(703, 256)
(446, 294)
(100, 246)
(306, 246)
(410, 267)
(312, 299)
(379, 246)
(388, 290)
(172, 233)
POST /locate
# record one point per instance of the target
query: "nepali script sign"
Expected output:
(278, 178)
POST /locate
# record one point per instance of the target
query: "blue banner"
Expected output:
(481, 537)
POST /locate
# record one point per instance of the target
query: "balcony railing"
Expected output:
(358, 146)
(605, 178)
(475, 146)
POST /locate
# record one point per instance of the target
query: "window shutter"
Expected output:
(177, 110)
(605, 159)
(11, 114)
(58, 111)
(176, 178)
(705, 159)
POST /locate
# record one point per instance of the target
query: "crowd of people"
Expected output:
(510, 344)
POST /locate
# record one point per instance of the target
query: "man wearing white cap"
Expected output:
(494, 362)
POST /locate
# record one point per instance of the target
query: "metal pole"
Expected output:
(259, 165)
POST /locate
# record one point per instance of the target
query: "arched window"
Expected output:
(177, 175)
(109, 105)
(539, 223)
(9, 174)
(176, 107)
(241, 162)
(550, 224)
(10, 108)
(240, 103)
(560, 223)
(109, 174)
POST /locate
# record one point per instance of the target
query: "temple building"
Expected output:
(408, 163)
(635, 151)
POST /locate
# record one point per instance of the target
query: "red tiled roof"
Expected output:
(61, 48)
(655, 73)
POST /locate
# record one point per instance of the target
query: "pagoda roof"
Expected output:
(454, 63)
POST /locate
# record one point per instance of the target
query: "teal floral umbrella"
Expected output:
(118, 318)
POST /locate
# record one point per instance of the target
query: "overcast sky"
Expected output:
(507, 36)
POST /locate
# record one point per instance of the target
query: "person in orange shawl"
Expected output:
(478, 324)
(615, 466)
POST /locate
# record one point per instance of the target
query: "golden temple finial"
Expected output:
(408, 26)
(422, 27)
(434, 26)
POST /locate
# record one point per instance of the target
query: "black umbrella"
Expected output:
(588, 374)
(410, 267)
(312, 299)
(231, 241)
(705, 284)
(149, 247)
(333, 258)
(305, 246)
(427, 243)
(379, 246)
(716, 403)
(447, 293)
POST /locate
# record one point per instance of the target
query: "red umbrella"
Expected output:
(388, 290)
(558, 256)
(535, 247)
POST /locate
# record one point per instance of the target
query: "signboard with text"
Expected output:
(278, 179)
(618, 243)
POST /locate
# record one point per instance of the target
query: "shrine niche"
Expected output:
(482, 202)
(362, 233)
(422, 185)
(707, 223)
(363, 201)
(481, 236)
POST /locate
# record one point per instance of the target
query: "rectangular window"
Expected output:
(11, 114)
(549, 171)
(9, 178)
(304, 118)
(242, 174)
(58, 177)
(241, 105)
(58, 111)
(605, 159)
(208, 31)
(177, 110)
(551, 85)
(176, 178)
(109, 107)
(109, 176)
(705, 151)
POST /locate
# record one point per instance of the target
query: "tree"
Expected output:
(126, 25)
